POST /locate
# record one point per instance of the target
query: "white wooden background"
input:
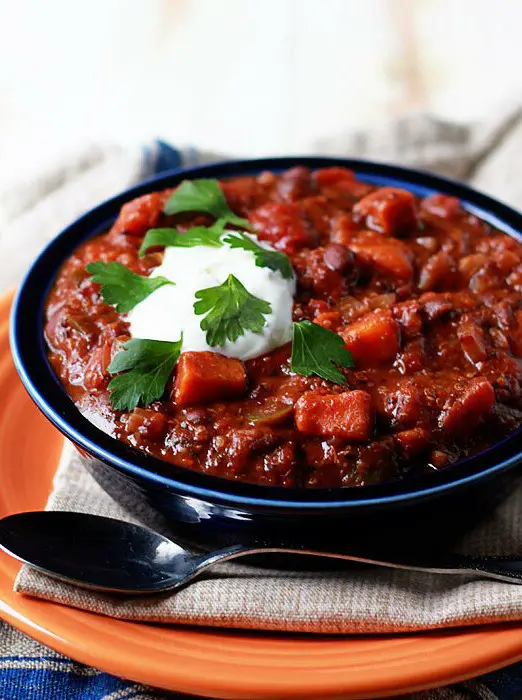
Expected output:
(244, 76)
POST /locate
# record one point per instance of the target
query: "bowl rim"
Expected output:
(30, 358)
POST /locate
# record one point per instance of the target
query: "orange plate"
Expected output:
(213, 662)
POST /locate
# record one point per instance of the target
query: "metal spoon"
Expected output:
(117, 557)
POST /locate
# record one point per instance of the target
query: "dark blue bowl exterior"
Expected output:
(209, 511)
(410, 526)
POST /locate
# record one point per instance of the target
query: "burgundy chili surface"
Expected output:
(425, 295)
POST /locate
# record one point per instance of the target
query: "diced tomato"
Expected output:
(282, 224)
(206, 376)
(141, 214)
(348, 415)
(242, 194)
(333, 176)
(148, 423)
(373, 338)
(388, 210)
(441, 205)
(344, 229)
(318, 306)
(466, 412)
(339, 183)
(329, 319)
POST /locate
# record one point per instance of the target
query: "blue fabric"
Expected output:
(161, 156)
(52, 676)
(46, 677)
(505, 684)
(57, 678)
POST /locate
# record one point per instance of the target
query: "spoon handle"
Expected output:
(500, 568)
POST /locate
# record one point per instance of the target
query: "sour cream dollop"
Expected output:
(169, 311)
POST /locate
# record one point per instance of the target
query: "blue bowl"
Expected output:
(209, 511)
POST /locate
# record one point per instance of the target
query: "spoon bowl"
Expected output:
(93, 551)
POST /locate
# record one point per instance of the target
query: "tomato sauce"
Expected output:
(427, 297)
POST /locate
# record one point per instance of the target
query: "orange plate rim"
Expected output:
(206, 661)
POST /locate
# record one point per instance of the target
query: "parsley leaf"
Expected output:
(199, 235)
(121, 287)
(147, 365)
(263, 257)
(231, 310)
(316, 350)
(212, 237)
(205, 196)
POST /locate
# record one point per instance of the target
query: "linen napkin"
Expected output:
(340, 601)
(371, 600)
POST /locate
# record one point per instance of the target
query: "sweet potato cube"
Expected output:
(206, 376)
(464, 414)
(348, 415)
(372, 339)
(389, 257)
(412, 442)
(389, 210)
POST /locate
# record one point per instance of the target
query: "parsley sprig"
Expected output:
(199, 235)
(146, 366)
(121, 287)
(263, 257)
(203, 196)
(230, 311)
(316, 350)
